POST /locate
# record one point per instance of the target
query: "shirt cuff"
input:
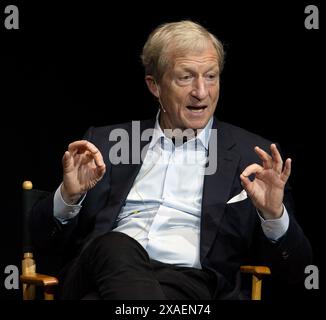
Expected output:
(274, 229)
(63, 211)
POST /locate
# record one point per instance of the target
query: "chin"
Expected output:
(197, 124)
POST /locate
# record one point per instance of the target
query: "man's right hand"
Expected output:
(83, 167)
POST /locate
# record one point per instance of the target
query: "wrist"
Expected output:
(69, 198)
(275, 214)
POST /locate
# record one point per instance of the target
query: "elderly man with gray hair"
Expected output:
(163, 228)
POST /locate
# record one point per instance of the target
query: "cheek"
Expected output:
(180, 99)
(215, 91)
(214, 95)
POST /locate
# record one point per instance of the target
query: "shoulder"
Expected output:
(240, 138)
(103, 133)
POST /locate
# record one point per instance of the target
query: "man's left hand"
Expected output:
(267, 189)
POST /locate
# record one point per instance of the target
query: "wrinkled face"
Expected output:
(188, 90)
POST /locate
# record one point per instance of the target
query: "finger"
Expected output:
(98, 158)
(246, 183)
(77, 144)
(101, 171)
(244, 177)
(66, 161)
(82, 146)
(77, 147)
(265, 157)
(84, 158)
(252, 169)
(92, 153)
(277, 159)
(287, 170)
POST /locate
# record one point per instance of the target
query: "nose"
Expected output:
(199, 90)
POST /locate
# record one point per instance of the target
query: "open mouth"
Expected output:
(196, 109)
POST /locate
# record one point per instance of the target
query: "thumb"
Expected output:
(245, 182)
(66, 162)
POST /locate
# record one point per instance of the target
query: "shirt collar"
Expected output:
(203, 136)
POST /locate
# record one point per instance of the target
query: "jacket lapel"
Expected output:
(122, 177)
(217, 187)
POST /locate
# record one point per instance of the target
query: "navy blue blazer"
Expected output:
(230, 234)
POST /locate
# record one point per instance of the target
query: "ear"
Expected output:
(152, 86)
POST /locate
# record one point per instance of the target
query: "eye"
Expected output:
(212, 76)
(186, 77)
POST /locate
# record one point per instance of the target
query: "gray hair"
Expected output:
(184, 36)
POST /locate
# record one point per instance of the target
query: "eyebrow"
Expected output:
(187, 68)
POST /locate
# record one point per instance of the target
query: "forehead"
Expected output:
(203, 55)
(204, 58)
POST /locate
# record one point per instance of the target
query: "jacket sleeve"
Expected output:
(47, 231)
(289, 256)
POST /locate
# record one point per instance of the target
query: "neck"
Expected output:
(172, 131)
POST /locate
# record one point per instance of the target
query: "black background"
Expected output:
(69, 67)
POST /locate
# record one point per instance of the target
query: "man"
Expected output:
(165, 228)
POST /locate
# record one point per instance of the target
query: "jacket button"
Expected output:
(285, 255)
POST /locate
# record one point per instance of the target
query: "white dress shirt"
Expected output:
(163, 208)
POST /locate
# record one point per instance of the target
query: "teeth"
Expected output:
(196, 109)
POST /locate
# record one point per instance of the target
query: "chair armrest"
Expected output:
(257, 274)
(259, 270)
(39, 280)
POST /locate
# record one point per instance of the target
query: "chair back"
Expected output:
(30, 198)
